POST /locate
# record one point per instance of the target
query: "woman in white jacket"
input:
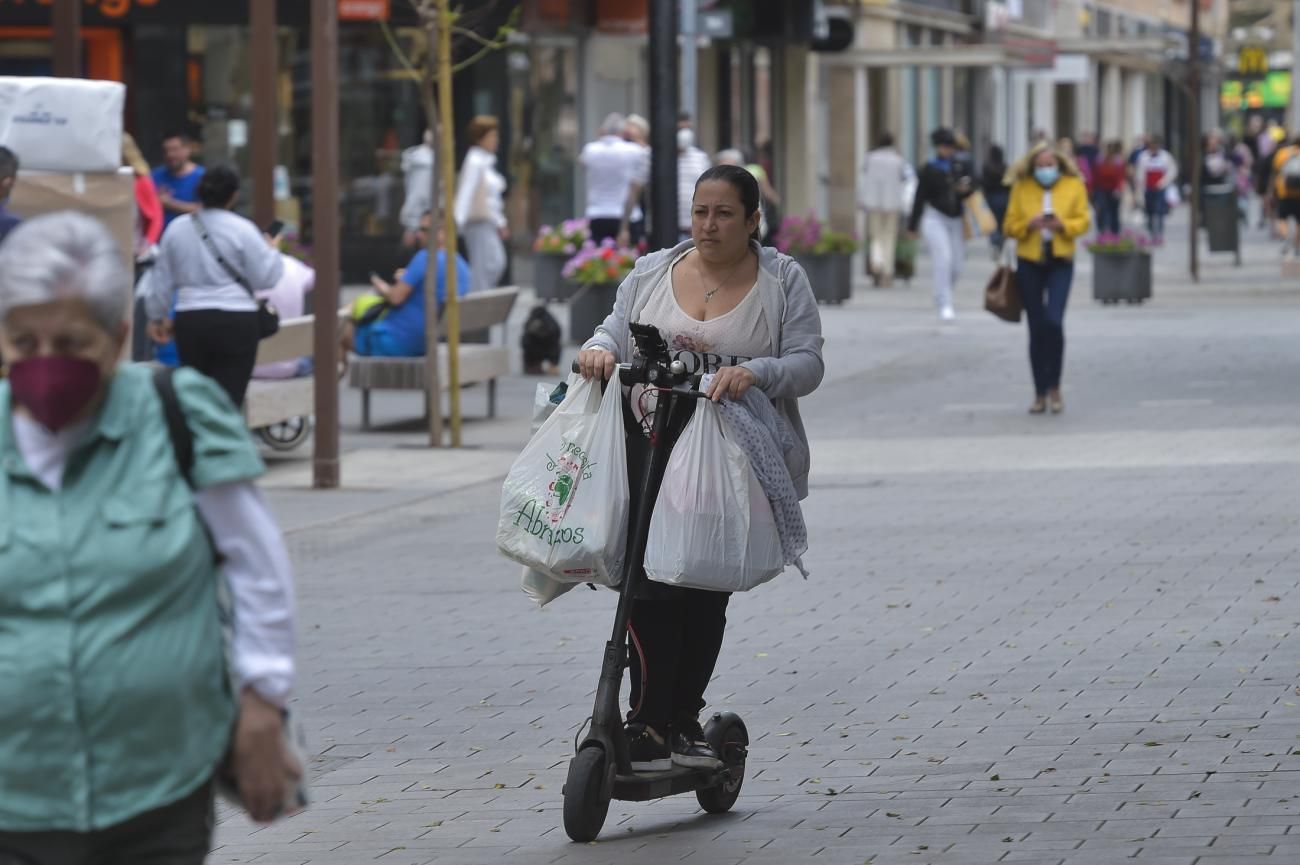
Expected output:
(480, 206)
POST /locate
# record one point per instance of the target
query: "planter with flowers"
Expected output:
(826, 256)
(553, 248)
(598, 271)
(1121, 267)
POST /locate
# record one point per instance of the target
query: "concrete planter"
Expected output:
(548, 277)
(1121, 277)
(588, 307)
(831, 276)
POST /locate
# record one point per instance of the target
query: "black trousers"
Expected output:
(221, 345)
(674, 633)
(175, 834)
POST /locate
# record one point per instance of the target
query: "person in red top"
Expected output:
(149, 213)
(1108, 178)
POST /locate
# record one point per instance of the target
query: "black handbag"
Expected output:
(268, 318)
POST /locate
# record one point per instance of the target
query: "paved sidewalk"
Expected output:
(1025, 639)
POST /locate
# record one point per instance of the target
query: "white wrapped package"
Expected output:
(62, 124)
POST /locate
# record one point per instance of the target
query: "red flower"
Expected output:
(607, 253)
(612, 272)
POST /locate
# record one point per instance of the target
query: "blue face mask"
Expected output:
(1047, 175)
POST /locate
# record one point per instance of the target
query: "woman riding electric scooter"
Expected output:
(727, 306)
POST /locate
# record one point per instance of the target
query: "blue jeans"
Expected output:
(1107, 204)
(1157, 207)
(1044, 290)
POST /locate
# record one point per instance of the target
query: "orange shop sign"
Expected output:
(107, 8)
(363, 10)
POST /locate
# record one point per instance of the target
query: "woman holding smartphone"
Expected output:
(1048, 211)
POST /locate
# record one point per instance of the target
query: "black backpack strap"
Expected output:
(177, 429)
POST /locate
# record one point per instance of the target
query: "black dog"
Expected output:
(540, 342)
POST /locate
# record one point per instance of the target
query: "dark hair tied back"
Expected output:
(745, 184)
(218, 186)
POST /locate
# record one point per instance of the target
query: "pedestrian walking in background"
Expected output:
(212, 263)
(480, 210)
(1218, 165)
(691, 163)
(149, 222)
(1047, 214)
(1087, 153)
(942, 188)
(613, 166)
(1244, 159)
(1108, 181)
(177, 179)
(417, 179)
(993, 183)
(1156, 172)
(880, 195)
(118, 708)
(1286, 194)
(8, 177)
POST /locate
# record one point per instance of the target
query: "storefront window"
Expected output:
(544, 108)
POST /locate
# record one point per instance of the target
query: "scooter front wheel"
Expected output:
(728, 736)
(586, 794)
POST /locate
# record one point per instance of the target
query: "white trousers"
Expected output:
(943, 237)
(487, 255)
(882, 228)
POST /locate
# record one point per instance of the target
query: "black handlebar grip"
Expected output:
(576, 368)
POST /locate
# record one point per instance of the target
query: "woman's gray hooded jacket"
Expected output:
(792, 318)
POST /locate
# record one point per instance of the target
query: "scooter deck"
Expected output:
(644, 786)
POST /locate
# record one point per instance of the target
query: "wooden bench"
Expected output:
(479, 363)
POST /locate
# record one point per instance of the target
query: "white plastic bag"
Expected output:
(542, 588)
(564, 503)
(712, 526)
(62, 124)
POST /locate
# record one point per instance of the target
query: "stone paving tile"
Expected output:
(1075, 633)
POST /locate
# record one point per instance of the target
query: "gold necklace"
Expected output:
(708, 294)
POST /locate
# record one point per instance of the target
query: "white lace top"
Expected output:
(706, 346)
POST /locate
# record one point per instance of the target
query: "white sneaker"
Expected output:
(947, 314)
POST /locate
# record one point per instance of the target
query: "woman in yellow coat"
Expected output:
(1048, 211)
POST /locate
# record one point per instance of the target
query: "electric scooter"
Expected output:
(601, 769)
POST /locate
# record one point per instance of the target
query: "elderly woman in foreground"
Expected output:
(116, 705)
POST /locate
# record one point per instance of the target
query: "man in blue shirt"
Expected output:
(8, 177)
(399, 332)
(177, 179)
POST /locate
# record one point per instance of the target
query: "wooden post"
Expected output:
(67, 38)
(325, 231)
(447, 156)
(432, 375)
(266, 73)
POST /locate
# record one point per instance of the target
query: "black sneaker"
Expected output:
(690, 747)
(649, 753)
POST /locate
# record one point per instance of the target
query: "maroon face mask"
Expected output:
(54, 388)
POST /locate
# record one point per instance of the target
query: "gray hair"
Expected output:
(730, 156)
(61, 256)
(613, 124)
(639, 123)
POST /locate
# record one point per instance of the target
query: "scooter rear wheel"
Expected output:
(733, 748)
(586, 794)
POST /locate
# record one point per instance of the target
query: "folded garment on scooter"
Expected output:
(754, 424)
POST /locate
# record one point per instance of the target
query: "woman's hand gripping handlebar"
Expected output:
(730, 381)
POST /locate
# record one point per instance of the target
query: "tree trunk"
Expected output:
(432, 377)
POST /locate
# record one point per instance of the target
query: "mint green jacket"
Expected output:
(114, 695)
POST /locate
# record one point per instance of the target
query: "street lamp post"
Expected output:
(262, 48)
(325, 232)
(663, 123)
(1194, 137)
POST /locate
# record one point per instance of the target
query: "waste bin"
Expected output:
(1221, 218)
(588, 308)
